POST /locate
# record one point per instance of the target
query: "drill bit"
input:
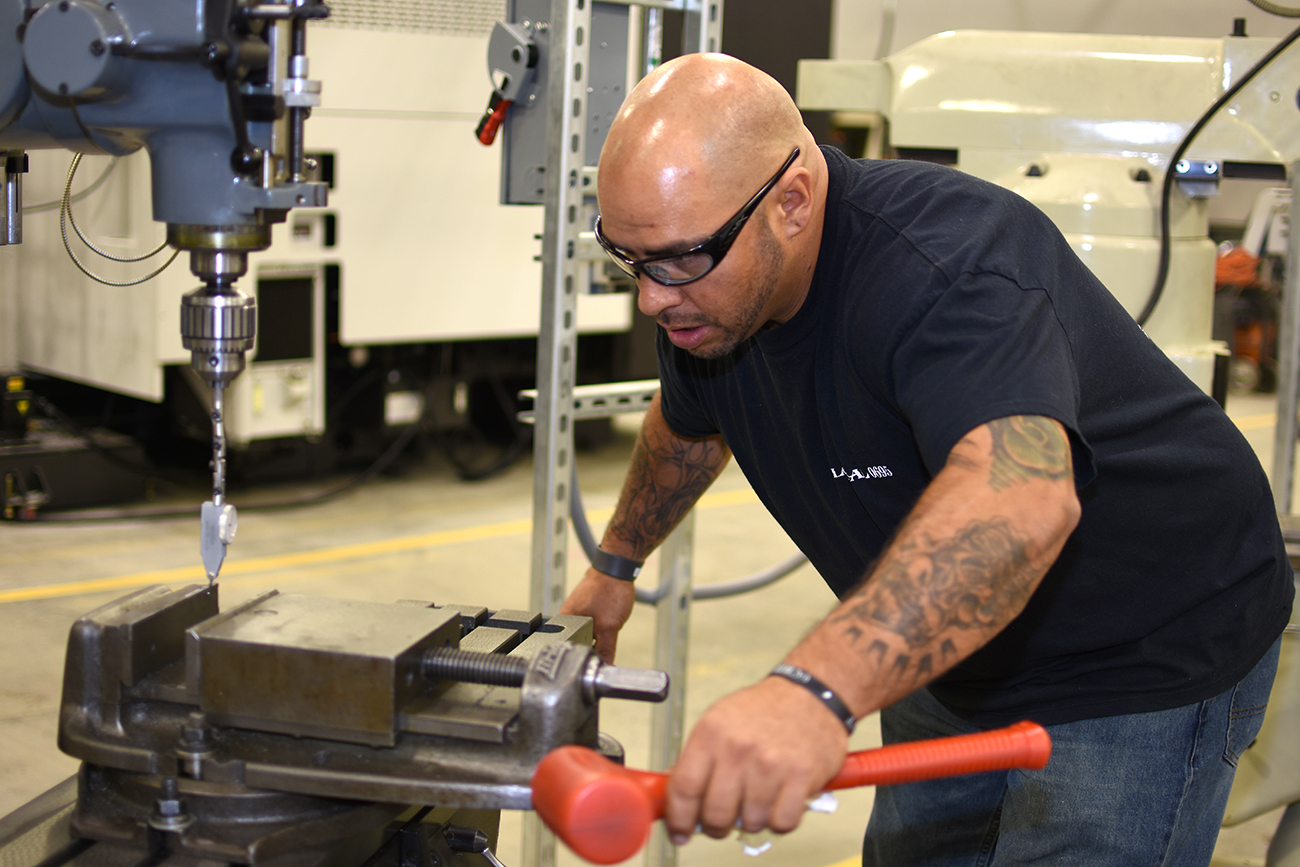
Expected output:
(217, 518)
(218, 445)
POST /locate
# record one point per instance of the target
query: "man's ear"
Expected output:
(796, 208)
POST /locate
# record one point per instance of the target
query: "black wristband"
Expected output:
(616, 566)
(828, 697)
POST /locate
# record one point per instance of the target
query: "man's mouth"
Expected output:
(688, 337)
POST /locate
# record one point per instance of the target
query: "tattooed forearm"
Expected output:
(925, 593)
(667, 476)
(1027, 447)
(963, 565)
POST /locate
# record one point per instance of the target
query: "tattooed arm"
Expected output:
(667, 475)
(961, 567)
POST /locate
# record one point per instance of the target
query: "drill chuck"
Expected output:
(217, 326)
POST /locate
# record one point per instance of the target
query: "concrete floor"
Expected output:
(426, 535)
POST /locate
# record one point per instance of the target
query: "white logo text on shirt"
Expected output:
(853, 474)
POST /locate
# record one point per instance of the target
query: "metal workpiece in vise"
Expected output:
(217, 91)
(512, 67)
(297, 731)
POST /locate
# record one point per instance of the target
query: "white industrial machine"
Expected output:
(1119, 139)
(1084, 126)
(411, 250)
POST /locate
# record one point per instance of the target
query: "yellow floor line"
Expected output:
(1254, 422)
(322, 555)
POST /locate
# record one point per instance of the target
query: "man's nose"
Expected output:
(654, 298)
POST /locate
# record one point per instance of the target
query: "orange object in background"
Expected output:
(1237, 267)
(1248, 341)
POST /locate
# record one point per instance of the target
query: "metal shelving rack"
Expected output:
(567, 248)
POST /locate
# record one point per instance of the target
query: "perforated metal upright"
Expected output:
(1288, 361)
(562, 263)
(557, 338)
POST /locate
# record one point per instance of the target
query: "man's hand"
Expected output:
(756, 755)
(667, 475)
(608, 601)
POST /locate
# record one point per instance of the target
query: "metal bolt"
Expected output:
(170, 813)
(97, 47)
(445, 663)
(196, 732)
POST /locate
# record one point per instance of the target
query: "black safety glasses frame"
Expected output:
(687, 266)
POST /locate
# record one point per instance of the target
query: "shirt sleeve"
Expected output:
(985, 349)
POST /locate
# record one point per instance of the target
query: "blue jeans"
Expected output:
(1129, 791)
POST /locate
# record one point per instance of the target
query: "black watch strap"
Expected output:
(615, 566)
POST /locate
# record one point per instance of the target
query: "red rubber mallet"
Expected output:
(603, 811)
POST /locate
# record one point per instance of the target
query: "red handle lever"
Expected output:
(603, 811)
(486, 132)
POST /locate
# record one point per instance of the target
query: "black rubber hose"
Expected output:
(717, 590)
(1162, 272)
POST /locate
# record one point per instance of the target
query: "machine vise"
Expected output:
(299, 731)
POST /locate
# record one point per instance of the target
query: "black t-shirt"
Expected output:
(939, 303)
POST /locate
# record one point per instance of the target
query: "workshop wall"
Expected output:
(775, 35)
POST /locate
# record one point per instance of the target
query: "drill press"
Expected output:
(217, 92)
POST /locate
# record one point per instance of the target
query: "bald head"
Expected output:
(703, 118)
(693, 143)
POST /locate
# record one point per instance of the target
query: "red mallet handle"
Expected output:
(1023, 745)
(603, 811)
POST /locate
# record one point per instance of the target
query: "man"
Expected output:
(1024, 508)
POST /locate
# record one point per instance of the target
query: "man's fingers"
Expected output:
(608, 602)
(724, 795)
(686, 787)
(789, 806)
(606, 644)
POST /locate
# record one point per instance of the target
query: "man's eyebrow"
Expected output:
(680, 247)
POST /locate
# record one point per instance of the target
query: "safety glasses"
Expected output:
(687, 266)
